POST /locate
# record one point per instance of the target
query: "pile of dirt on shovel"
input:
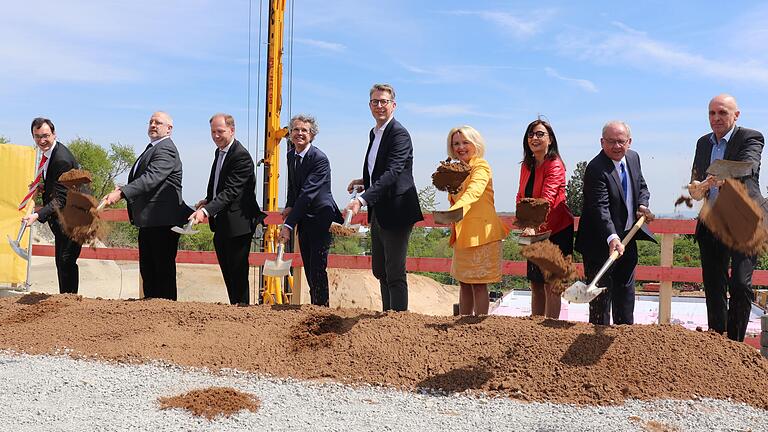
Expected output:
(530, 359)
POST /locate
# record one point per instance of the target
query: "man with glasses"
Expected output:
(310, 206)
(155, 205)
(729, 298)
(390, 195)
(230, 206)
(615, 195)
(56, 160)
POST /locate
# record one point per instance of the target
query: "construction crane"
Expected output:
(273, 291)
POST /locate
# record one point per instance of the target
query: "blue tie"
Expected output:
(624, 179)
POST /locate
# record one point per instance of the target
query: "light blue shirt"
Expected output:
(718, 152)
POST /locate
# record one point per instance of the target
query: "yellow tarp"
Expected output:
(17, 170)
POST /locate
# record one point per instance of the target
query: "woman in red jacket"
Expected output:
(542, 175)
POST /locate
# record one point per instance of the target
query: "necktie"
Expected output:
(219, 163)
(624, 180)
(35, 184)
(138, 161)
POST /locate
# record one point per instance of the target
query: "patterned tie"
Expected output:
(624, 180)
(35, 184)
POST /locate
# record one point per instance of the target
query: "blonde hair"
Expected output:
(472, 135)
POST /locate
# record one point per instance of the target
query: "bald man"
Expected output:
(730, 142)
(155, 205)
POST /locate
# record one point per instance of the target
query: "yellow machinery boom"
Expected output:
(273, 292)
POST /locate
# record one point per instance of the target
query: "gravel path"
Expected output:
(62, 394)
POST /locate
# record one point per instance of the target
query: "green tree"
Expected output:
(427, 198)
(104, 166)
(4, 140)
(574, 189)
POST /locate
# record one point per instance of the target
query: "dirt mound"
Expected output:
(212, 402)
(531, 359)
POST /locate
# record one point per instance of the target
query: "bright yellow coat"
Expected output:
(481, 224)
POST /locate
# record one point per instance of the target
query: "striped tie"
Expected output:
(35, 184)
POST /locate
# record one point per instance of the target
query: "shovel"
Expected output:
(526, 240)
(723, 169)
(447, 217)
(277, 267)
(16, 244)
(579, 292)
(347, 228)
(187, 229)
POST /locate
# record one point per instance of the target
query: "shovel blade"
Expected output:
(186, 230)
(580, 292)
(17, 248)
(275, 268)
(448, 217)
(528, 240)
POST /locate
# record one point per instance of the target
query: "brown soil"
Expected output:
(449, 176)
(212, 402)
(531, 359)
(343, 230)
(75, 177)
(531, 212)
(736, 219)
(79, 219)
(555, 268)
(684, 199)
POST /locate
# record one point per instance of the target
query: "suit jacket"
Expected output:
(153, 191)
(548, 183)
(309, 190)
(390, 192)
(55, 193)
(744, 145)
(232, 207)
(605, 211)
(480, 225)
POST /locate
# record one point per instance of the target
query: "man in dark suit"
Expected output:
(58, 160)
(310, 205)
(615, 195)
(155, 205)
(730, 142)
(390, 195)
(230, 206)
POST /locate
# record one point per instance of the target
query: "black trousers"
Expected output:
(618, 301)
(315, 241)
(232, 253)
(729, 298)
(389, 249)
(67, 252)
(157, 261)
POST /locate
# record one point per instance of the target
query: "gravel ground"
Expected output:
(57, 393)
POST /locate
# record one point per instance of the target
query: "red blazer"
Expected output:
(549, 183)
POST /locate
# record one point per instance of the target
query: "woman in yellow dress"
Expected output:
(476, 239)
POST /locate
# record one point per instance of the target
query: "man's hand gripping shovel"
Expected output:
(347, 229)
(579, 292)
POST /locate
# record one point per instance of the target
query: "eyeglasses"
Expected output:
(377, 102)
(41, 137)
(537, 134)
(615, 142)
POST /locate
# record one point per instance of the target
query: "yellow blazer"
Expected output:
(480, 225)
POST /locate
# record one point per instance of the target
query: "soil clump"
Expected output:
(212, 402)
(449, 175)
(530, 359)
(682, 199)
(531, 213)
(736, 219)
(555, 268)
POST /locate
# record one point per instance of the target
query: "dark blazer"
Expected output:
(744, 145)
(153, 191)
(55, 193)
(390, 192)
(309, 190)
(604, 212)
(232, 207)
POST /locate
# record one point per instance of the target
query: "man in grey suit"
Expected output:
(155, 205)
(729, 295)
(390, 195)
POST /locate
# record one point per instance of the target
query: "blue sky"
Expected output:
(98, 69)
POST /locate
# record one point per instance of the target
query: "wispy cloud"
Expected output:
(636, 48)
(452, 110)
(323, 45)
(587, 85)
(519, 26)
(456, 73)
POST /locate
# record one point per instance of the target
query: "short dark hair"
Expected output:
(39, 122)
(528, 159)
